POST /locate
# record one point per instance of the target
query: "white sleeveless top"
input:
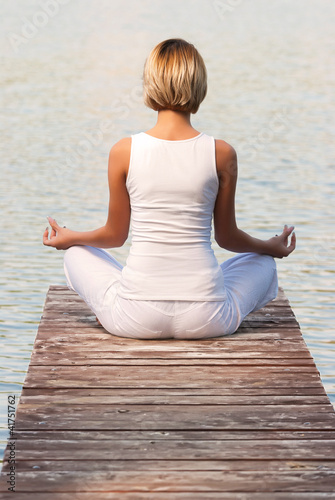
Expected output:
(172, 187)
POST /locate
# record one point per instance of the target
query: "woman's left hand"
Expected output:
(60, 237)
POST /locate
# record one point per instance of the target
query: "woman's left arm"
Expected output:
(115, 232)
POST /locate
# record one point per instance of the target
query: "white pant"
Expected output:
(250, 280)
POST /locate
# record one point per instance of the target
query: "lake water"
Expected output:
(71, 87)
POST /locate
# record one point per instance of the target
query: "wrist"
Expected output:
(73, 238)
(273, 248)
(267, 247)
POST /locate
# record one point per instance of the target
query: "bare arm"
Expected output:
(227, 234)
(115, 232)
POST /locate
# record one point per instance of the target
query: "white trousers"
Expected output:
(250, 280)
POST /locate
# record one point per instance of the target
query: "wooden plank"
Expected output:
(207, 347)
(185, 449)
(177, 481)
(107, 495)
(155, 396)
(41, 464)
(230, 350)
(243, 349)
(171, 376)
(119, 417)
(175, 391)
(177, 435)
(105, 358)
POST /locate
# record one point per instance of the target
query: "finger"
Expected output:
(284, 236)
(46, 237)
(292, 245)
(53, 223)
(288, 230)
(53, 233)
(286, 233)
(293, 241)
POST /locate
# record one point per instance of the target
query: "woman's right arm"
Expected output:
(227, 234)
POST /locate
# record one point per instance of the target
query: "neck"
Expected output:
(173, 125)
(177, 118)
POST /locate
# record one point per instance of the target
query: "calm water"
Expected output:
(70, 88)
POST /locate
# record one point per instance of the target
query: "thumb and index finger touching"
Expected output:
(54, 229)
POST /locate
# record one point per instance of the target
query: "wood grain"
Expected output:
(101, 417)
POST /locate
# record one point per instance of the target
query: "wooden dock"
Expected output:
(100, 417)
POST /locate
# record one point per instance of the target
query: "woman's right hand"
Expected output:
(279, 246)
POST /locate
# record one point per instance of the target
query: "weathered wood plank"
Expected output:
(74, 464)
(141, 449)
(243, 351)
(172, 345)
(171, 376)
(177, 435)
(154, 397)
(169, 496)
(106, 495)
(175, 391)
(179, 481)
(114, 417)
(105, 358)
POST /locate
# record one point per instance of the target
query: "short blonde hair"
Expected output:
(174, 77)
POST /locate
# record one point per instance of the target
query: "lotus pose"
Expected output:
(170, 182)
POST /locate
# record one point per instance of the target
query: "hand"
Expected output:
(59, 236)
(279, 245)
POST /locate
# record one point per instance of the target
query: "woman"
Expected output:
(169, 182)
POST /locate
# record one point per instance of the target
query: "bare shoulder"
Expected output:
(225, 153)
(119, 156)
(122, 147)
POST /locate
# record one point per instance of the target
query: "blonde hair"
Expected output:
(174, 77)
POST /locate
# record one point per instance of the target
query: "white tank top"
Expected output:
(172, 187)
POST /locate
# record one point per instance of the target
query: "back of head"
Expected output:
(174, 77)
